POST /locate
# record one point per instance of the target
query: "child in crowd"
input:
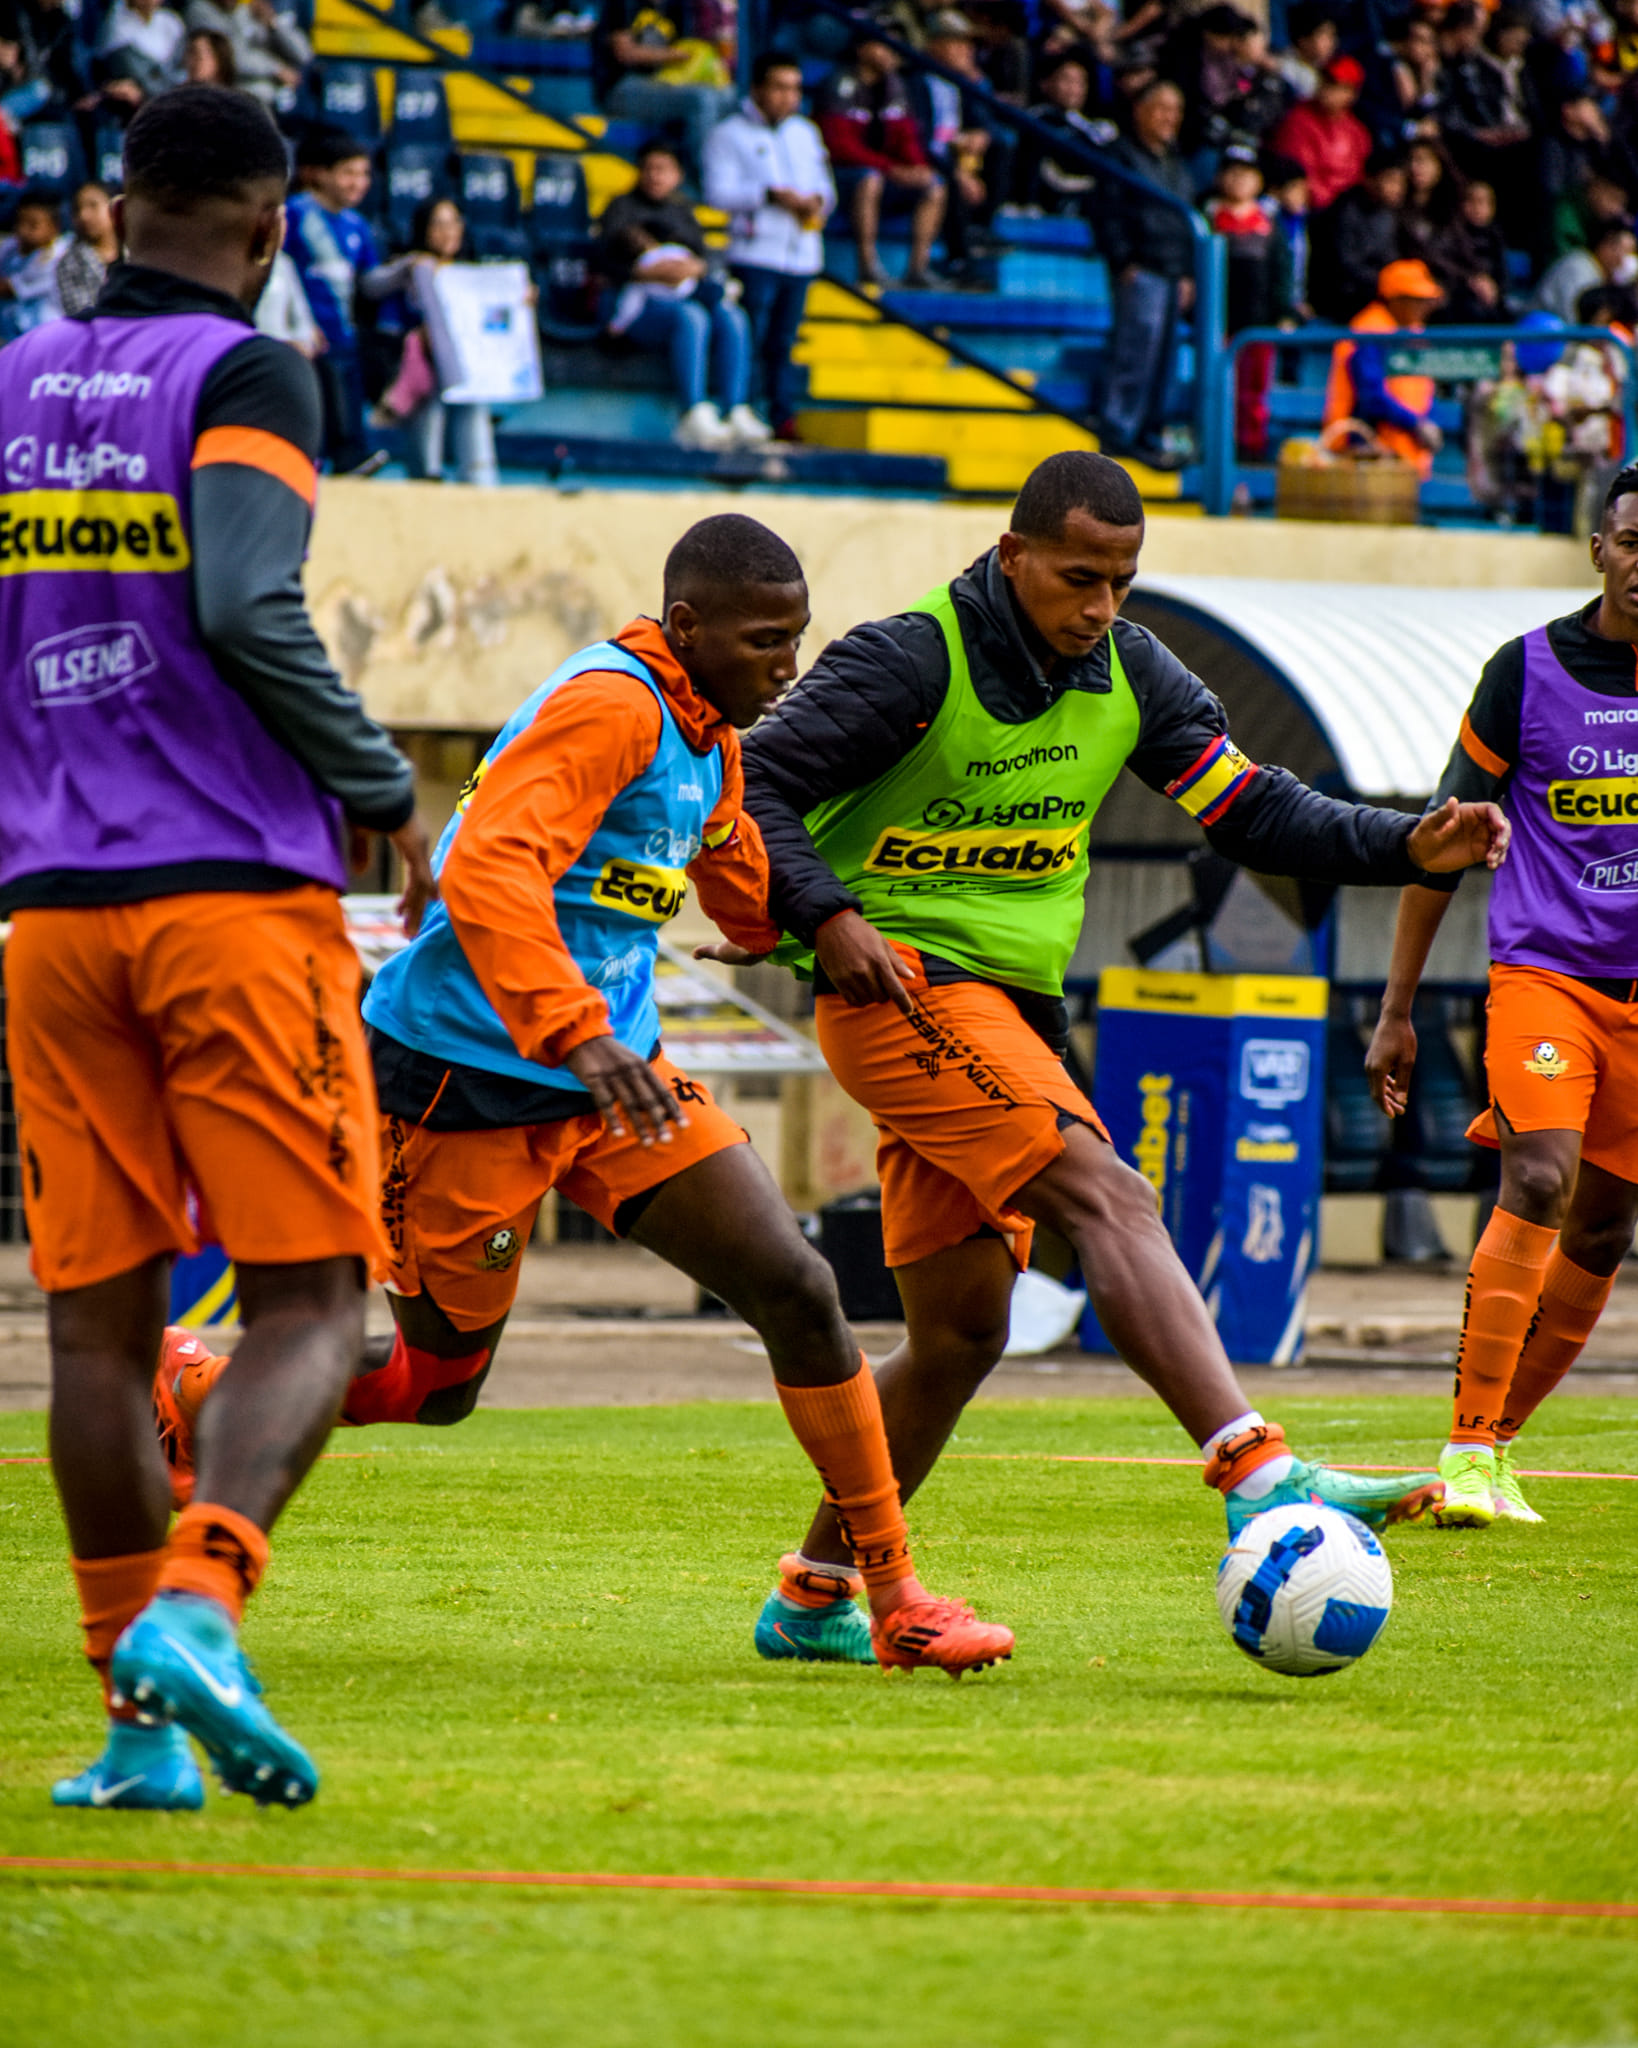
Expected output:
(85, 259)
(1259, 288)
(1285, 202)
(28, 266)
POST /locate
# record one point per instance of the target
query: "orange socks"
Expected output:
(1572, 1300)
(1503, 1288)
(113, 1592)
(841, 1430)
(215, 1552)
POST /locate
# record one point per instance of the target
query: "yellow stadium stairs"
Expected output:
(880, 385)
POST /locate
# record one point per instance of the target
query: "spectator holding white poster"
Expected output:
(448, 374)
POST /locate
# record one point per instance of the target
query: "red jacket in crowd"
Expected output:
(1331, 148)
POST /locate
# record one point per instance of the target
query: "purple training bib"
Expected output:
(120, 745)
(1566, 897)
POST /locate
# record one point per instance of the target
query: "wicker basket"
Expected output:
(1357, 479)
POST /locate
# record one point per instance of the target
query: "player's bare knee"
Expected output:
(1538, 1187)
(1598, 1246)
(794, 1293)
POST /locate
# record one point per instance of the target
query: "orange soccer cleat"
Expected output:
(187, 1372)
(945, 1634)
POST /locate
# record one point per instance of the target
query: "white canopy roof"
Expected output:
(1385, 672)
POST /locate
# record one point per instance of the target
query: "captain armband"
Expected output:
(1207, 788)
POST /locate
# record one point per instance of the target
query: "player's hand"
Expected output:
(1389, 1062)
(627, 1091)
(1460, 836)
(862, 966)
(420, 884)
(727, 954)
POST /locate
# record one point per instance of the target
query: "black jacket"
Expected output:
(1353, 242)
(871, 695)
(1132, 227)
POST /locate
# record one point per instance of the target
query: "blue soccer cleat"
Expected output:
(1375, 1502)
(180, 1661)
(143, 1770)
(837, 1633)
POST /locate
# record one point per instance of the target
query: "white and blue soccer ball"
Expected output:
(1304, 1590)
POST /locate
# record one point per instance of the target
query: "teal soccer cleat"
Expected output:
(837, 1634)
(143, 1770)
(180, 1661)
(1403, 1498)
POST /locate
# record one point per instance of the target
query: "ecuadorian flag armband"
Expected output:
(723, 837)
(1206, 789)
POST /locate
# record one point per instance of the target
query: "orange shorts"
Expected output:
(458, 1206)
(967, 1101)
(195, 1053)
(1561, 1057)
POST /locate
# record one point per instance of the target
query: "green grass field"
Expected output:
(525, 1645)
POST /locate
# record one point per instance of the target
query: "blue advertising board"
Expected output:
(1213, 1086)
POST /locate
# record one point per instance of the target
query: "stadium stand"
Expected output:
(1028, 116)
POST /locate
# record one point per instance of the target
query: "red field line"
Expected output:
(840, 1887)
(322, 1454)
(1089, 1458)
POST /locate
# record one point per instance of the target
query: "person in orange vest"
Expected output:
(1400, 409)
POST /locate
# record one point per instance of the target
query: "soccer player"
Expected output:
(177, 762)
(1546, 735)
(516, 1048)
(925, 796)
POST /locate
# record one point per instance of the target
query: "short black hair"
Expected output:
(1609, 229)
(1622, 485)
(1306, 16)
(771, 61)
(657, 145)
(321, 149)
(728, 552)
(1387, 156)
(201, 142)
(40, 199)
(1075, 481)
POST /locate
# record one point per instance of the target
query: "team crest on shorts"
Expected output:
(501, 1250)
(1547, 1061)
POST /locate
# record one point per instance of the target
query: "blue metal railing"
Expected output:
(1209, 314)
(1220, 470)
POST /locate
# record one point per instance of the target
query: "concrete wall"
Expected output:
(446, 604)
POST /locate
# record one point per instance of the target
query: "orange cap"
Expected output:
(1409, 278)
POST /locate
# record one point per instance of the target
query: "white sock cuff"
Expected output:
(1250, 1420)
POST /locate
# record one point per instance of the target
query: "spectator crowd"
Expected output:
(1375, 169)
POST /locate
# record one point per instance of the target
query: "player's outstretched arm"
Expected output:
(1458, 836)
(1392, 1055)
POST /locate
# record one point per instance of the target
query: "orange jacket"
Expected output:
(1414, 394)
(531, 816)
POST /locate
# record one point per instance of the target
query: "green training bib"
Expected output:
(974, 845)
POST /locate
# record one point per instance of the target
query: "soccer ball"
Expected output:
(1304, 1590)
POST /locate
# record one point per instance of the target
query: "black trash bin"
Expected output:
(850, 1237)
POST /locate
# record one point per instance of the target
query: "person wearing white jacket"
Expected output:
(766, 168)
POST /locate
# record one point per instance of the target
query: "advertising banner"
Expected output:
(1213, 1087)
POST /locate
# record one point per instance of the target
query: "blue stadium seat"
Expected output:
(420, 108)
(412, 173)
(51, 156)
(489, 199)
(559, 211)
(347, 99)
(108, 154)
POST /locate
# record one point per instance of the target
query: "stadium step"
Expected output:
(882, 384)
